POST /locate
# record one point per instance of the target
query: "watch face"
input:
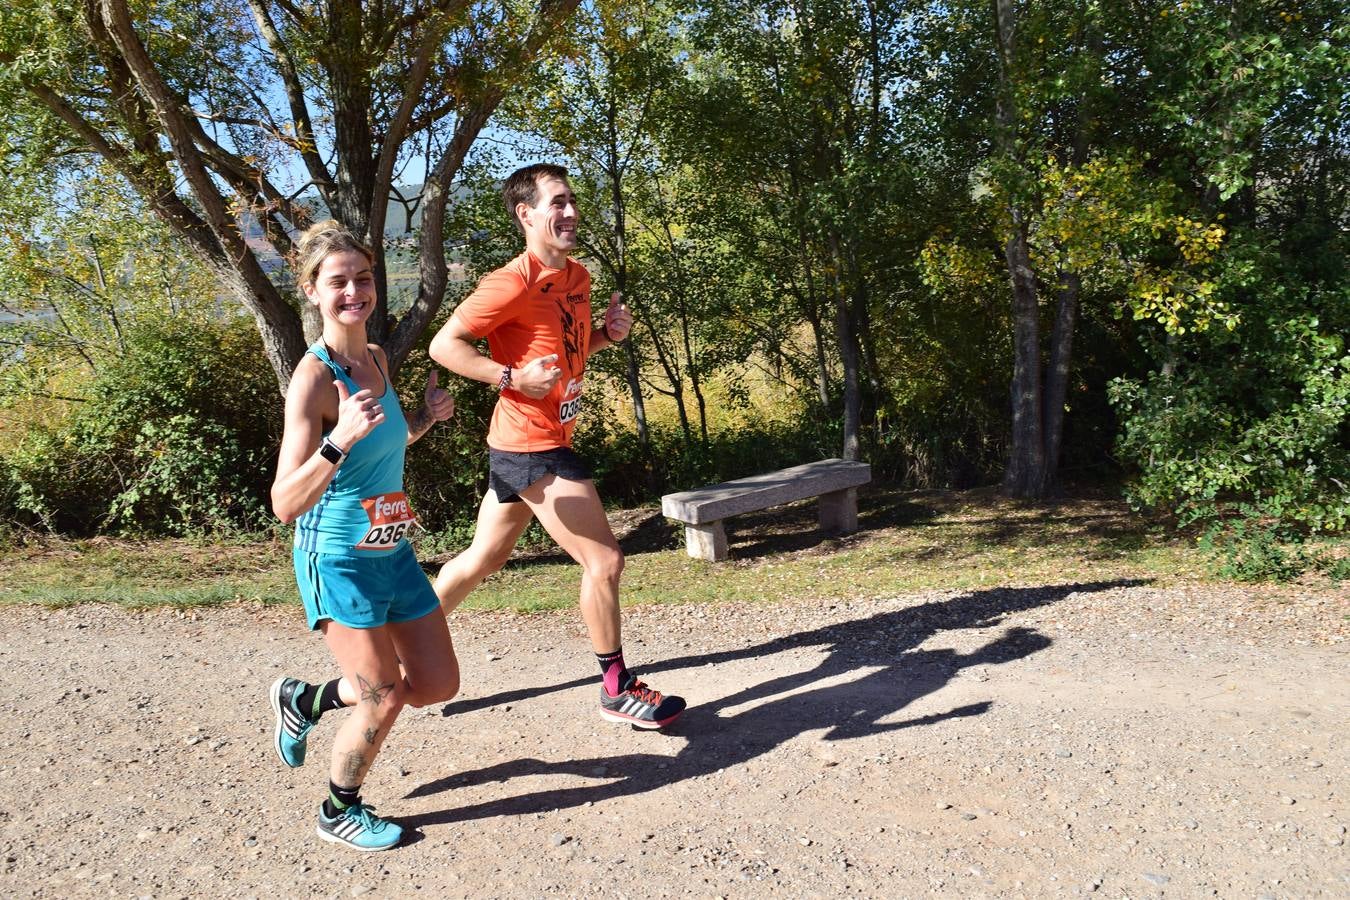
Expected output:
(330, 452)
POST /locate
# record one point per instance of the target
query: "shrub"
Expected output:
(178, 436)
(1250, 438)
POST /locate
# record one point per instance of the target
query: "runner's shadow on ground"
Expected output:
(726, 732)
(853, 644)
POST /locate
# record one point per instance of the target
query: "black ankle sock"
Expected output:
(317, 699)
(339, 798)
(616, 674)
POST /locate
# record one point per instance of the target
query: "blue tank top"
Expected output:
(364, 511)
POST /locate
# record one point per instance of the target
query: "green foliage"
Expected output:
(1338, 569)
(176, 437)
(1250, 436)
(81, 260)
(140, 408)
(1253, 551)
(1268, 433)
(625, 475)
(1247, 432)
(757, 175)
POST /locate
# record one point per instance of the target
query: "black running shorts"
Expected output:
(511, 473)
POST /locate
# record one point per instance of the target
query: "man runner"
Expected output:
(535, 313)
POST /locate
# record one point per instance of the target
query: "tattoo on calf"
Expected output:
(352, 766)
(369, 734)
(373, 693)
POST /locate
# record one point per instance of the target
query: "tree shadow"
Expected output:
(795, 527)
(727, 732)
(853, 640)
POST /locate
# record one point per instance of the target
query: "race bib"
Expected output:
(569, 409)
(391, 517)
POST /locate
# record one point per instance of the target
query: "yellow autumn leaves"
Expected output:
(1109, 223)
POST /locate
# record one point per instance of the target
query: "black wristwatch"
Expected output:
(332, 452)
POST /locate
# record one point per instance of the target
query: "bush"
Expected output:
(178, 436)
(1250, 438)
(625, 474)
(1265, 438)
(1253, 551)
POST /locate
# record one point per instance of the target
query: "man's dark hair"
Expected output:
(522, 186)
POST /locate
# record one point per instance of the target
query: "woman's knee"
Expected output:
(436, 688)
(381, 703)
(433, 679)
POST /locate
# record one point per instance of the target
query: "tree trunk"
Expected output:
(821, 358)
(278, 323)
(1025, 476)
(1057, 376)
(634, 378)
(850, 356)
(632, 375)
(670, 365)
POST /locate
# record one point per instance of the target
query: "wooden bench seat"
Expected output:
(835, 481)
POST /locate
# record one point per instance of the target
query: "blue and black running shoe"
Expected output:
(293, 726)
(359, 828)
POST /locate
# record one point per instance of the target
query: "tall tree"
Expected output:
(802, 97)
(1061, 119)
(210, 109)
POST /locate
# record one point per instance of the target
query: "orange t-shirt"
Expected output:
(527, 310)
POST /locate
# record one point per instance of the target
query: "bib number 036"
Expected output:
(390, 518)
(381, 537)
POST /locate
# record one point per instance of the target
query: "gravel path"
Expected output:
(1116, 739)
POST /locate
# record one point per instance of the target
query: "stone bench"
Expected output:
(835, 481)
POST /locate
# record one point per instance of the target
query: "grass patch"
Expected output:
(144, 574)
(909, 541)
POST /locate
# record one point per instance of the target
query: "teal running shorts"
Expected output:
(363, 591)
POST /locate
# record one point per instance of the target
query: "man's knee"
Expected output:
(606, 565)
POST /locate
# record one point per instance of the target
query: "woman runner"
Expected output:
(340, 479)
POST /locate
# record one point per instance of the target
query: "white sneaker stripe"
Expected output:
(636, 708)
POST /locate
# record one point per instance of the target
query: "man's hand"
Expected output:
(439, 404)
(537, 377)
(618, 320)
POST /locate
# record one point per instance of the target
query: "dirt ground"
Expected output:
(1114, 739)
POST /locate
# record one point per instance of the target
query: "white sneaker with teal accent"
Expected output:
(359, 828)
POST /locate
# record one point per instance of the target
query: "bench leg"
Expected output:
(839, 511)
(707, 541)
